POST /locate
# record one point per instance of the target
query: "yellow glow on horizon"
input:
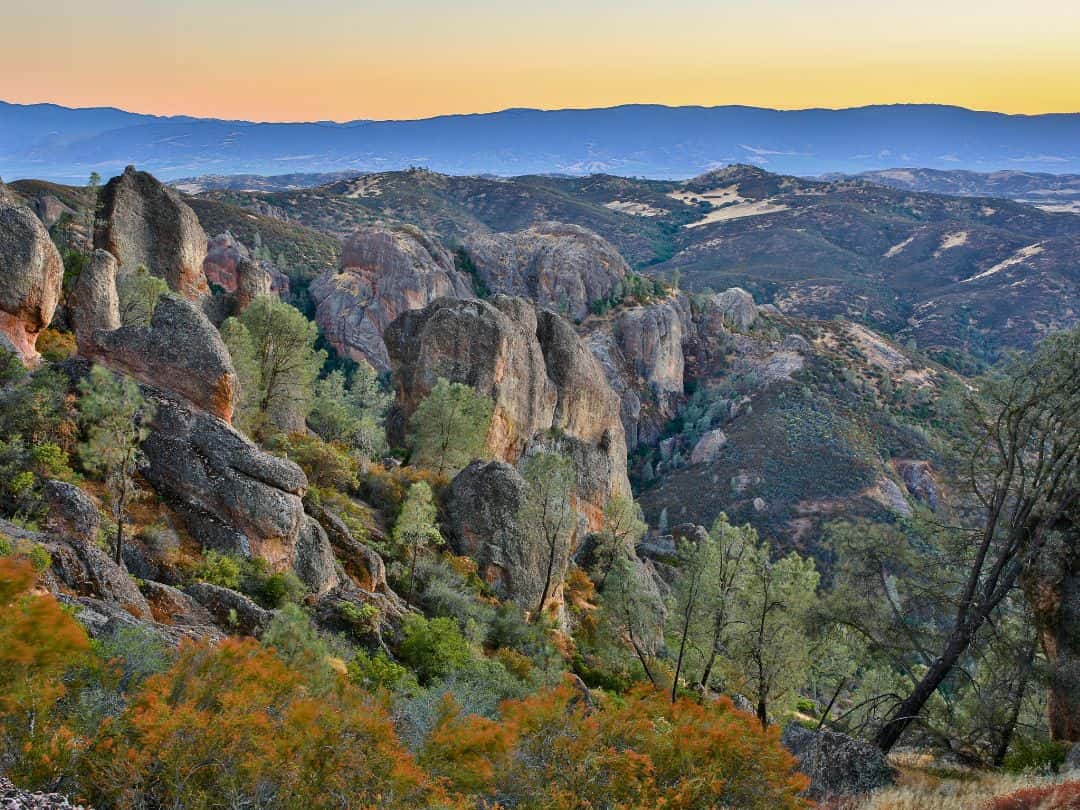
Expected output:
(341, 60)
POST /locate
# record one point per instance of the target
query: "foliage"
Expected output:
(554, 750)
(55, 346)
(233, 725)
(547, 514)
(292, 638)
(352, 414)
(623, 527)
(433, 648)
(449, 428)
(139, 293)
(39, 644)
(219, 569)
(273, 350)
(415, 528)
(378, 671)
(114, 415)
(326, 465)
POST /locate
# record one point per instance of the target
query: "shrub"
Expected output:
(219, 569)
(378, 671)
(1027, 755)
(1065, 796)
(433, 648)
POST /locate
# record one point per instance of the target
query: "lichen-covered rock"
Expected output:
(651, 339)
(736, 307)
(545, 384)
(838, 765)
(232, 612)
(342, 611)
(708, 447)
(145, 223)
(50, 209)
(12, 798)
(95, 303)
(565, 267)
(31, 274)
(72, 513)
(252, 281)
(385, 271)
(86, 570)
(179, 352)
(360, 562)
(103, 620)
(170, 605)
(231, 495)
(483, 507)
(313, 559)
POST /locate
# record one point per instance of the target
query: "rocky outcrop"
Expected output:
(232, 612)
(95, 303)
(230, 265)
(12, 798)
(483, 509)
(838, 765)
(736, 307)
(72, 514)
(565, 267)
(145, 223)
(103, 620)
(86, 570)
(179, 352)
(708, 447)
(545, 384)
(231, 495)
(651, 340)
(385, 271)
(313, 559)
(31, 274)
(50, 209)
(1052, 589)
(172, 606)
(918, 477)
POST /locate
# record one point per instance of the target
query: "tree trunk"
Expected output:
(1016, 697)
(762, 712)
(910, 707)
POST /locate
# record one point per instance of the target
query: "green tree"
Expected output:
(623, 527)
(352, 414)
(449, 428)
(547, 514)
(273, 350)
(633, 612)
(771, 644)
(415, 528)
(139, 293)
(114, 415)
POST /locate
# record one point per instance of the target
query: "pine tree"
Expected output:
(449, 428)
(415, 528)
(548, 516)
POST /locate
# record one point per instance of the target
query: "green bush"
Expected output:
(219, 569)
(1042, 756)
(378, 671)
(433, 648)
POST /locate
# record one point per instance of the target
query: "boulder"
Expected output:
(50, 209)
(313, 559)
(86, 570)
(385, 271)
(360, 562)
(483, 508)
(230, 265)
(565, 267)
(231, 495)
(180, 352)
(103, 620)
(252, 281)
(95, 303)
(145, 223)
(736, 307)
(651, 339)
(12, 798)
(336, 613)
(232, 612)
(838, 765)
(31, 275)
(72, 513)
(708, 447)
(172, 606)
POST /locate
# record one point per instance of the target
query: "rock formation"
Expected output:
(737, 308)
(385, 271)
(231, 266)
(565, 267)
(546, 386)
(94, 301)
(838, 765)
(31, 274)
(179, 352)
(144, 222)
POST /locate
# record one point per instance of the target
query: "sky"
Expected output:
(300, 60)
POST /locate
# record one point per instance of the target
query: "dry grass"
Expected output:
(926, 785)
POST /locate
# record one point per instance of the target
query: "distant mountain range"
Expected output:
(51, 142)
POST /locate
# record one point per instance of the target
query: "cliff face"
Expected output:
(384, 272)
(545, 384)
(31, 274)
(146, 223)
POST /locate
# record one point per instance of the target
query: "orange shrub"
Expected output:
(234, 726)
(554, 750)
(39, 644)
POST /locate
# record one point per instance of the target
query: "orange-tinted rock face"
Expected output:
(31, 274)
(384, 272)
(145, 223)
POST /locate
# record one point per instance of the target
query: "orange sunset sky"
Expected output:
(340, 59)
